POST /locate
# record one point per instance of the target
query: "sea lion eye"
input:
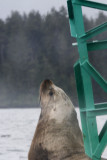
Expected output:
(50, 93)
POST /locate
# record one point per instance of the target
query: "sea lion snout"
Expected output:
(46, 92)
(45, 85)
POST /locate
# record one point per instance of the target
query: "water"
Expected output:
(17, 127)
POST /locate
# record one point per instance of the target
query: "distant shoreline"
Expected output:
(19, 107)
(23, 107)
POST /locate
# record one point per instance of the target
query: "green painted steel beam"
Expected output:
(101, 146)
(71, 18)
(95, 74)
(93, 134)
(86, 102)
(94, 32)
(84, 71)
(82, 105)
(97, 45)
(101, 105)
(103, 131)
(79, 27)
(70, 9)
(91, 4)
(94, 112)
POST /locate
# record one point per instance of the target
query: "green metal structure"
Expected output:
(84, 71)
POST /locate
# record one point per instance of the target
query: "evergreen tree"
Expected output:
(35, 47)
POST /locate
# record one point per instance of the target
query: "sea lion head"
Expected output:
(54, 101)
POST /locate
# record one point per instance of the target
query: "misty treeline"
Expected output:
(35, 47)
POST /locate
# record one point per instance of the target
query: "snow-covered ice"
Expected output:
(17, 128)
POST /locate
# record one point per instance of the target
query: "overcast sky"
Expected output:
(44, 6)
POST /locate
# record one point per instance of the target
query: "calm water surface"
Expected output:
(17, 128)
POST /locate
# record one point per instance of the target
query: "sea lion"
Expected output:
(57, 136)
